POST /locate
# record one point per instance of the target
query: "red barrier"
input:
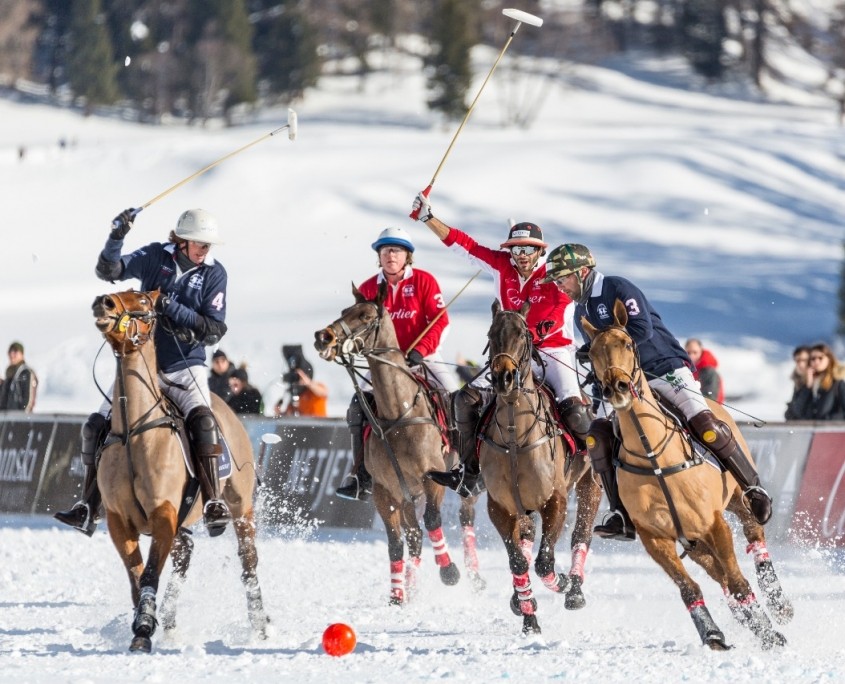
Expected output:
(820, 509)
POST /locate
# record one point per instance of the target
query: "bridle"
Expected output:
(649, 453)
(130, 328)
(509, 442)
(361, 341)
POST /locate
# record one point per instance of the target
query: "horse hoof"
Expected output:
(716, 642)
(450, 575)
(773, 640)
(530, 625)
(575, 597)
(141, 644)
(477, 582)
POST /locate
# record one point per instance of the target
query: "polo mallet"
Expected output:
(290, 126)
(521, 18)
(441, 312)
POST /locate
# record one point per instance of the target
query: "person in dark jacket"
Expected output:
(221, 371)
(667, 369)
(705, 370)
(822, 396)
(245, 398)
(19, 385)
(191, 314)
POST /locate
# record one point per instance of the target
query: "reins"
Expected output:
(635, 380)
(354, 344)
(513, 446)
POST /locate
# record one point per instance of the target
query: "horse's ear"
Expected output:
(153, 295)
(620, 313)
(589, 330)
(357, 294)
(382, 293)
(523, 311)
(496, 308)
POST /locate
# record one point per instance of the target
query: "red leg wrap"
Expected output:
(441, 552)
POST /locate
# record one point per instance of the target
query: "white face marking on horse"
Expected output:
(405, 404)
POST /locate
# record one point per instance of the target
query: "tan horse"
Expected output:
(405, 443)
(143, 477)
(672, 497)
(528, 467)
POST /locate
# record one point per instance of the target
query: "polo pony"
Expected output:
(529, 466)
(674, 495)
(406, 440)
(144, 477)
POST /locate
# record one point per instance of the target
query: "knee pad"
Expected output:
(576, 415)
(202, 425)
(355, 416)
(710, 431)
(601, 442)
(93, 434)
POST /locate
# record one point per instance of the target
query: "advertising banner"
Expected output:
(820, 509)
(24, 446)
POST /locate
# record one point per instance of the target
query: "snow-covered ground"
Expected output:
(67, 616)
(727, 212)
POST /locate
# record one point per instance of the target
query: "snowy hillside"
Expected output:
(726, 212)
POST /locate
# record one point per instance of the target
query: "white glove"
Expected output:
(421, 208)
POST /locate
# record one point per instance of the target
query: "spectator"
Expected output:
(801, 357)
(221, 370)
(822, 397)
(308, 397)
(705, 370)
(245, 398)
(19, 385)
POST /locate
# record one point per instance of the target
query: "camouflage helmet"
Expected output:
(566, 259)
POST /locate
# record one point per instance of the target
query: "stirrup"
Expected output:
(216, 515)
(79, 517)
(357, 490)
(614, 527)
(758, 501)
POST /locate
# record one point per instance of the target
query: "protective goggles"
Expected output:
(527, 250)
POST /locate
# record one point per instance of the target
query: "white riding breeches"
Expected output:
(682, 390)
(186, 387)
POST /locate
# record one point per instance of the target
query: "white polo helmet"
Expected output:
(394, 236)
(198, 225)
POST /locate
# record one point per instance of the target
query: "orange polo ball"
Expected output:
(339, 639)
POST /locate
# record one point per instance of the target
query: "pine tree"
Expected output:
(91, 67)
(704, 30)
(454, 34)
(285, 43)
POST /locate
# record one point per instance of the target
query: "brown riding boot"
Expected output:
(85, 513)
(601, 442)
(205, 445)
(716, 435)
(360, 487)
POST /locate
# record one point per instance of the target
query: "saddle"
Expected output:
(563, 431)
(438, 405)
(696, 452)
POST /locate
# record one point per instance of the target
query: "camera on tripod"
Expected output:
(292, 354)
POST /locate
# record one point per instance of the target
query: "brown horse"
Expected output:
(143, 477)
(528, 467)
(405, 443)
(674, 497)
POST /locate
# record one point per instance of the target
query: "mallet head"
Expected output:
(291, 124)
(523, 17)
